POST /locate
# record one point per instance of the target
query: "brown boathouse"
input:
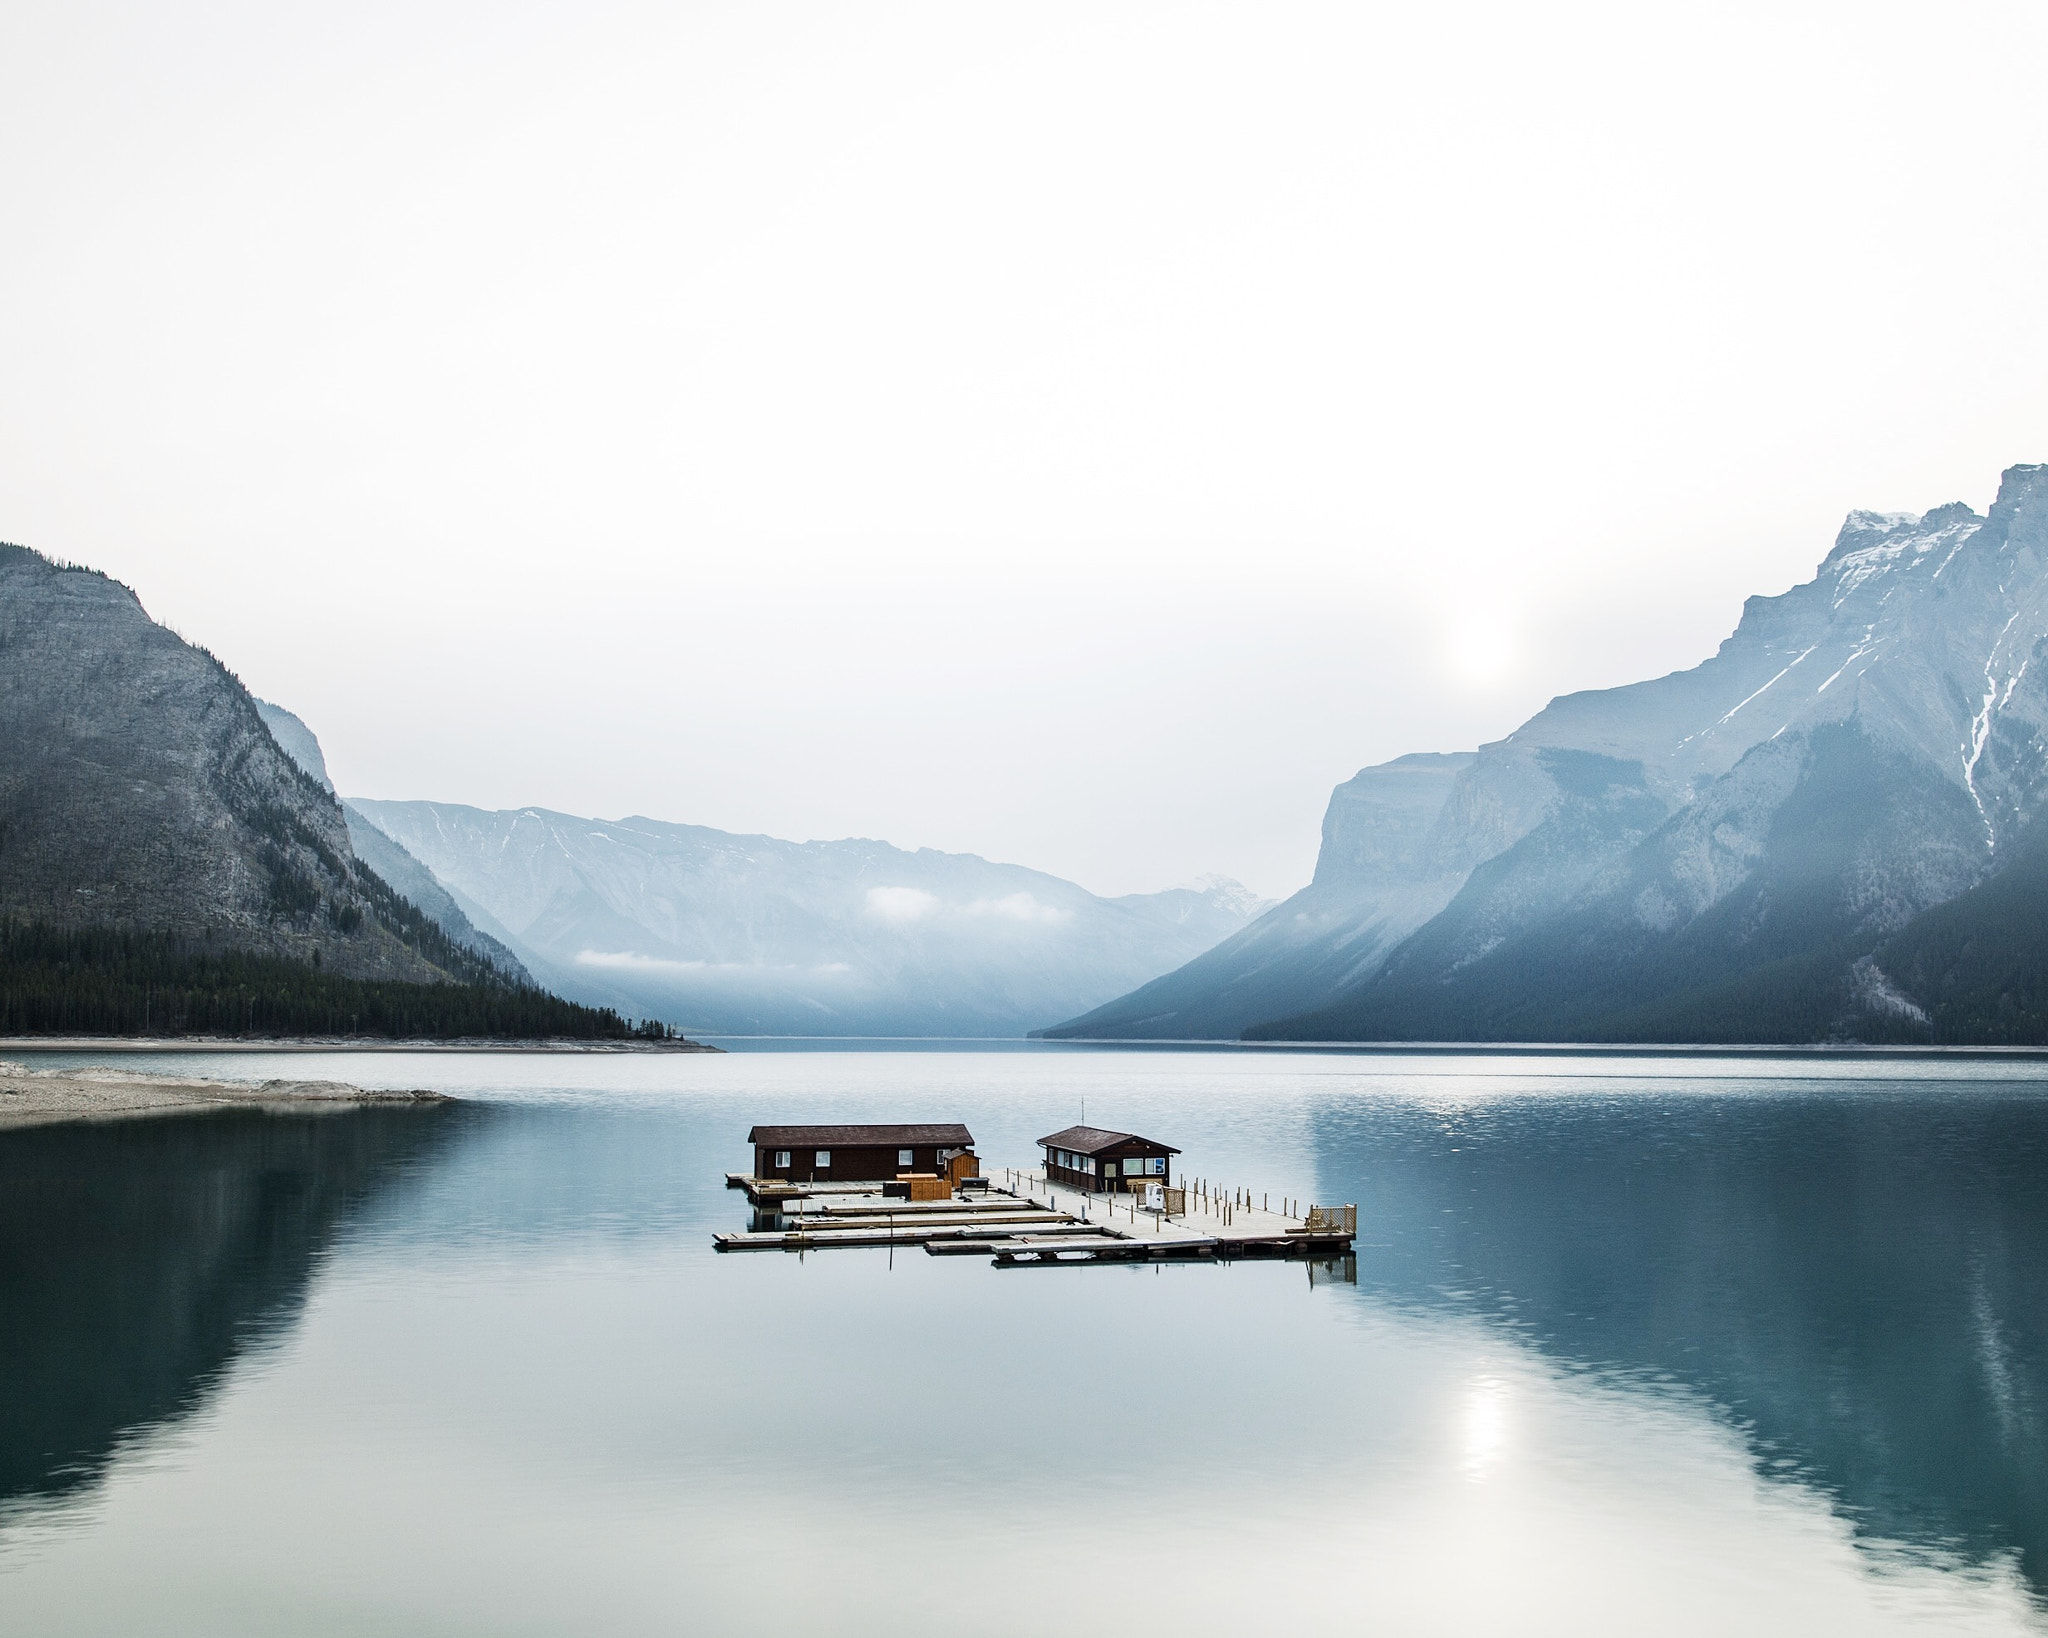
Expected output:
(1086, 1157)
(855, 1154)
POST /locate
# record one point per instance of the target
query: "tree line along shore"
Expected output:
(119, 982)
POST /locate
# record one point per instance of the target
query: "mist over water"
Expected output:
(1633, 1344)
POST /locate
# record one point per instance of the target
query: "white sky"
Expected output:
(1077, 434)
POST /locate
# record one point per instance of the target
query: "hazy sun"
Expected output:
(1481, 651)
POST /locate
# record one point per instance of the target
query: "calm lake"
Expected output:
(1634, 1345)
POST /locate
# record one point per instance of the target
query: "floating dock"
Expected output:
(1019, 1220)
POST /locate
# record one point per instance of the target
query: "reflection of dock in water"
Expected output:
(1019, 1219)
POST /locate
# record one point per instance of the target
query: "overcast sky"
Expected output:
(1076, 434)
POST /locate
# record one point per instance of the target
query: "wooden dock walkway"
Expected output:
(1212, 1224)
(1022, 1221)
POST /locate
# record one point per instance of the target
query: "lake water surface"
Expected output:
(1672, 1345)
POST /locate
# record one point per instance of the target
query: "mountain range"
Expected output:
(1831, 829)
(146, 796)
(1828, 830)
(754, 935)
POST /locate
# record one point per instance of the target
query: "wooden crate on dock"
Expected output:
(927, 1185)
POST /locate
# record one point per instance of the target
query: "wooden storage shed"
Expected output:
(858, 1154)
(1086, 1157)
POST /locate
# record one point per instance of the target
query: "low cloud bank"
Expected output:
(908, 904)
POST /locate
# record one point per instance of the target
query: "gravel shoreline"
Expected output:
(44, 1097)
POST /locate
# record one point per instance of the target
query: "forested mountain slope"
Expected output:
(165, 864)
(140, 788)
(406, 874)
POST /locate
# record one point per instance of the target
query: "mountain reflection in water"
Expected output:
(138, 1258)
(1860, 1278)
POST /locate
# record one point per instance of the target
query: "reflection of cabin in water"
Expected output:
(858, 1154)
(1086, 1157)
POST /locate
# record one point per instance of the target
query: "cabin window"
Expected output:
(782, 1157)
(903, 1157)
(1156, 1166)
(1134, 1168)
(824, 1157)
(1088, 1166)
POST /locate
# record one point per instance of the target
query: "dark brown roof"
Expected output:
(1092, 1140)
(861, 1137)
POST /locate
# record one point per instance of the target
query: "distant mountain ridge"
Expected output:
(755, 935)
(1731, 852)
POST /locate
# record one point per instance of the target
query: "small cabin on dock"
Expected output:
(858, 1154)
(1086, 1157)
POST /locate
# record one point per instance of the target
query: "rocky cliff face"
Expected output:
(1643, 862)
(296, 740)
(1389, 862)
(750, 934)
(140, 788)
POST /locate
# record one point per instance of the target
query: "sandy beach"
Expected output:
(41, 1097)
